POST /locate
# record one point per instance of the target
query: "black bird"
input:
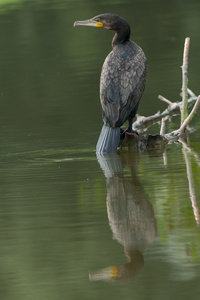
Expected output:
(122, 82)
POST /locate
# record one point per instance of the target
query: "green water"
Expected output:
(72, 225)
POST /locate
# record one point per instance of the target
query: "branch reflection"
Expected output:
(186, 150)
(130, 214)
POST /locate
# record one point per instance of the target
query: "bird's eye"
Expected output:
(97, 20)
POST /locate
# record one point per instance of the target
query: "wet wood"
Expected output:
(133, 141)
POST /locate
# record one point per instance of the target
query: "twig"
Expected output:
(143, 122)
(191, 115)
(191, 94)
(165, 100)
(162, 127)
(184, 67)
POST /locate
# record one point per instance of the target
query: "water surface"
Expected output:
(74, 225)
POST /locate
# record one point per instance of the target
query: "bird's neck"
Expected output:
(122, 35)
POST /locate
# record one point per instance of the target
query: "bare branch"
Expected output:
(191, 115)
(191, 94)
(184, 67)
(165, 100)
(162, 127)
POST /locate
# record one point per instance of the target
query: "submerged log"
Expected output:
(144, 142)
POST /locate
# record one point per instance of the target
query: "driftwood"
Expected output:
(158, 141)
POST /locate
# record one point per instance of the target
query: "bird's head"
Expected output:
(106, 21)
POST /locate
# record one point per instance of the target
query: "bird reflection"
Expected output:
(131, 216)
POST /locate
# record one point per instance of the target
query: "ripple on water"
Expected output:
(49, 156)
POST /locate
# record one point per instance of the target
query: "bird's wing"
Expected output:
(121, 87)
(109, 91)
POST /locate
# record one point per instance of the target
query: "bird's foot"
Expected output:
(127, 131)
(131, 131)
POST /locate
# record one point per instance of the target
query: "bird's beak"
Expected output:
(89, 22)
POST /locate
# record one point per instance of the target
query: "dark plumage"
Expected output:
(122, 82)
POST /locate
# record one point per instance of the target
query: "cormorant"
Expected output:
(122, 82)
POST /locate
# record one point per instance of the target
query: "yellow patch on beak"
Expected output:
(114, 271)
(99, 24)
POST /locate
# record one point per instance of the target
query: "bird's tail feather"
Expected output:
(108, 140)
